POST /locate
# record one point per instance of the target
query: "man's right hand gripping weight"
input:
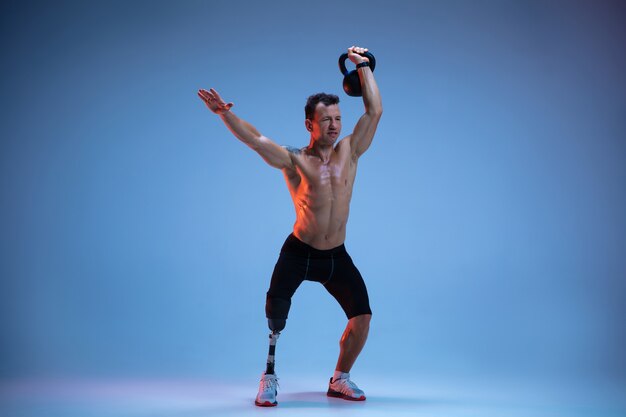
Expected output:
(320, 177)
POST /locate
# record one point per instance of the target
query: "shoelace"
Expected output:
(349, 383)
(270, 383)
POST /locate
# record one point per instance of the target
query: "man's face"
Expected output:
(326, 124)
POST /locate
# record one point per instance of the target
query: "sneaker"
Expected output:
(346, 389)
(268, 389)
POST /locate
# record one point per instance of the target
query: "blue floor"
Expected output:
(305, 396)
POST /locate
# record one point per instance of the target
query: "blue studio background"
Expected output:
(139, 236)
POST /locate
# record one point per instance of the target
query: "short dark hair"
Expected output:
(312, 101)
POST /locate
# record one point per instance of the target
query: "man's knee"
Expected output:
(276, 311)
(361, 323)
(276, 325)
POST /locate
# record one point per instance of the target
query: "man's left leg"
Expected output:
(351, 344)
(348, 288)
(352, 341)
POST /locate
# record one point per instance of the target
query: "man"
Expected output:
(320, 179)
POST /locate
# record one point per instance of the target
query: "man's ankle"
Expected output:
(339, 375)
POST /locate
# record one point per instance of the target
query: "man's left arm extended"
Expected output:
(365, 128)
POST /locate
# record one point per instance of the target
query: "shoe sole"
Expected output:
(335, 394)
(265, 404)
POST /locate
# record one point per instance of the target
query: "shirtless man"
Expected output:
(320, 179)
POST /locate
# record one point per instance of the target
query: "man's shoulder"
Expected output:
(293, 150)
(344, 142)
(344, 146)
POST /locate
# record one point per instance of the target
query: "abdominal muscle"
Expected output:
(321, 198)
(323, 227)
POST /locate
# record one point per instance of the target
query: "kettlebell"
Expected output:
(351, 82)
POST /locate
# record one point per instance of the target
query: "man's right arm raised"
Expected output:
(275, 155)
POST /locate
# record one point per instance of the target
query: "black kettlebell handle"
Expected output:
(343, 57)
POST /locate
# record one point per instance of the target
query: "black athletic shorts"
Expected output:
(333, 268)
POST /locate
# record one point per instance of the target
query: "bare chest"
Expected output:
(322, 183)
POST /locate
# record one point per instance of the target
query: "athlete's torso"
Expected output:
(321, 194)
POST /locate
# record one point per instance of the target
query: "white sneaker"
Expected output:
(346, 389)
(268, 389)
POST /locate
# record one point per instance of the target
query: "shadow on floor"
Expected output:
(318, 399)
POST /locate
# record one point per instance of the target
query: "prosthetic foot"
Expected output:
(268, 389)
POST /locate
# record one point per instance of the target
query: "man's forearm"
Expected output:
(371, 95)
(243, 130)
